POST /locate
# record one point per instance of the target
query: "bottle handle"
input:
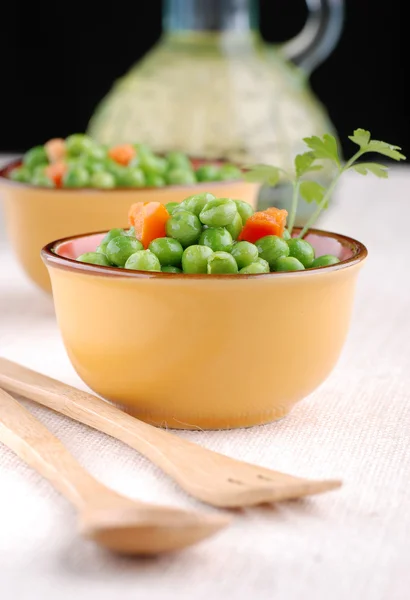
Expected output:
(319, 36)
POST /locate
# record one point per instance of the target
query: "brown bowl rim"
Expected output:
(200, 185)
(50, 258)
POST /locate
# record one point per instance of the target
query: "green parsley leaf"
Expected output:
(361, 137)
(312, 191)
(375, 168)
(304, 164)
(325, 147)
(263, 174)
(385, 149)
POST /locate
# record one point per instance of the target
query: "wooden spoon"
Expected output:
(114, 521)
(206, 475)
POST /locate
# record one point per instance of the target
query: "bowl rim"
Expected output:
(201, 185)
(51, 259)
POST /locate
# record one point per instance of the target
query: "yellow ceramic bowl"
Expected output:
(35, 215)
(203, 351)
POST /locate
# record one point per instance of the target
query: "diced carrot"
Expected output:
(149, 220)
(278, 213)
(56, 172)
(133, 212)
(55, 150)
(122, 154)
(268, 222)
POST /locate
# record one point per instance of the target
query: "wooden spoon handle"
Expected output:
(157, 445)
(32, 442)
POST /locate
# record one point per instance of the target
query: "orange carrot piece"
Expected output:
(55, 150)
(278, 213)
(56, 172)
(122, 154)
(268, 222)
(149, 220)
(133, 212)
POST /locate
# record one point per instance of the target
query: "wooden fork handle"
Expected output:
(33, 443)
(155, 444)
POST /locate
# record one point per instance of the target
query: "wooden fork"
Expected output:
(211, 477)
(111, 520)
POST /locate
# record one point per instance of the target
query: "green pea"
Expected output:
(170, 269)
(196, 203)
(34, 157)
(195, 259)
(227, 172)
(161, 165)
(135, 163)
(288, 263)
(286, 235)
(151, 164)
(120, 248)
(254, 269)
(102, 180)
(178, 160)
(132, 177)
(264, 264)
(167, 250)
(42, 180)
(97, 153)
(95, 167)
(272, 247)
(78, 143)
(143, 150)
(20, 174)
(171, 206)
(302, 250)
(181, 177)
(115, 169)
(244, 253)
(324, 261)
(216, 238)
(235, 227)
(94, 258)
(130, 231)
(180, 208)
(39, 170)
(218, 213)
(207, 173)
(143, 260)
(77, 161)
(153, 180)
(222, 263)
(76, 177)
(244, 209)
(113, 233)
(184, 227)
(118, 171)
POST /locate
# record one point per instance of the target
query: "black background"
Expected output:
(59, 61)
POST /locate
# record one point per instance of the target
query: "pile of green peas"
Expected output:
(90, 166)
(202, 238)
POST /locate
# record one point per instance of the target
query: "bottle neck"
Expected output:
(210, 16)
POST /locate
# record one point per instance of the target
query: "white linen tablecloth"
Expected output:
(347, 544)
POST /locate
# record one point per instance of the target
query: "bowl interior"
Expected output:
(75, 247)
(322, 243)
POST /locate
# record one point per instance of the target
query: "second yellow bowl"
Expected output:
(35, 216)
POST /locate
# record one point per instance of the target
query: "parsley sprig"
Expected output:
(323, 149)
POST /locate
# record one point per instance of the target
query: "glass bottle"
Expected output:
(213, 88)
